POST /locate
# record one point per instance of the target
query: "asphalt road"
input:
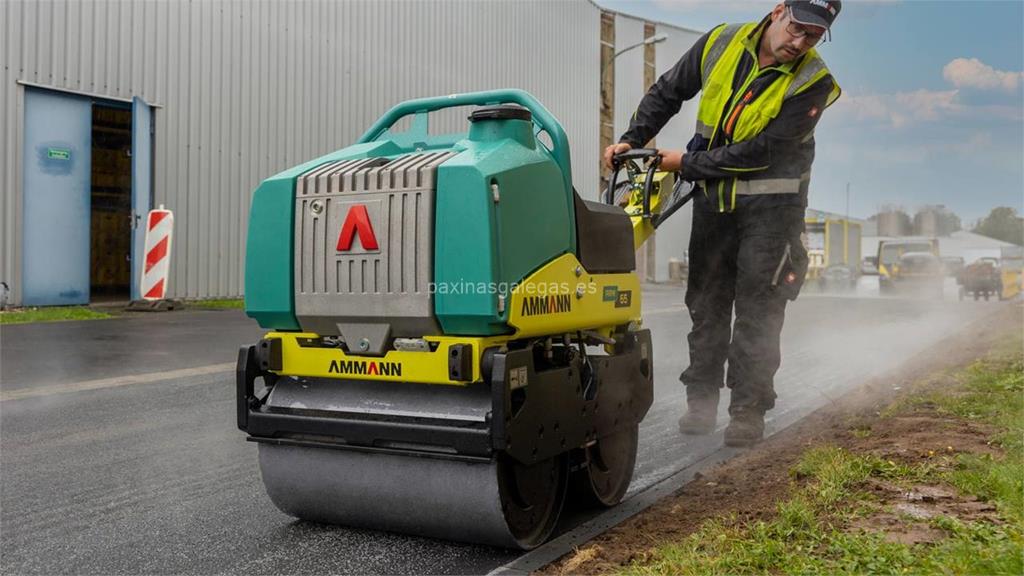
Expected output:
(46, 354)
(102, 474)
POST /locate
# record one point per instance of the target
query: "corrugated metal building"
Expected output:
(237, 90)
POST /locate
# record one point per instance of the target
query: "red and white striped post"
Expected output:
(159, 226)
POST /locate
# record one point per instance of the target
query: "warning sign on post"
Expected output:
(159, 228)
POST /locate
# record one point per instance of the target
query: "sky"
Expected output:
(932, 110)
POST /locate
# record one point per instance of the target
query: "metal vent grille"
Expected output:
(364, 240)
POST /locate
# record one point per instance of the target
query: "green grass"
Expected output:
(50, 314)
(59, 313)
(995, 398)
(807, 535)
(219, 304)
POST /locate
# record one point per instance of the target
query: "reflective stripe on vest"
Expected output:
(705, 130)
(770, 186)
(719, 39)
(807, 75)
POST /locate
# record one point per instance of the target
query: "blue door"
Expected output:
(142, 185)
(57, 172)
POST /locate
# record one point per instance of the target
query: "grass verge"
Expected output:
(50, 314)
(218, 304)
(856, 511)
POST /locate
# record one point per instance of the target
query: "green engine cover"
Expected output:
(503, 208)
(502, 212)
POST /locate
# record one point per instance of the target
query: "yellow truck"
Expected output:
(891, 251)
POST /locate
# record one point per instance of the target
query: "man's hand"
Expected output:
(613, 150)
(671, 160)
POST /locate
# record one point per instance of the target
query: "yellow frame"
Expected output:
(589, 297)
(422, 367)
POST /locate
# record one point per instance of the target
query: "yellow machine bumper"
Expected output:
(300, 357)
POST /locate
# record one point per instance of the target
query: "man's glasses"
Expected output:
(797, 30)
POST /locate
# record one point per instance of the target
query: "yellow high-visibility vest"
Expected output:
(748, 116)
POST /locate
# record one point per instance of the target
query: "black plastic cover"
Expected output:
(460, 362)
(503, 112)
(604, 237)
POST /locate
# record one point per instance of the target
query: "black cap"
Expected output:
(815, 12)
(501, 112)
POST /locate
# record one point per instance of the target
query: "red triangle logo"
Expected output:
(357, 222)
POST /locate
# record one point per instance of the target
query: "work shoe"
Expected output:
(701, 415)
(746, 428)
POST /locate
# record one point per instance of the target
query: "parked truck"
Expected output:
(982, 279)
(891, 251)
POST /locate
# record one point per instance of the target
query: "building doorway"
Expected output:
(87, 188)
(110, 235)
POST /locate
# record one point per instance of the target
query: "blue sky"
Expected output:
(932, 110)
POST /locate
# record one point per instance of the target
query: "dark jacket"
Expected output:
(782, 146)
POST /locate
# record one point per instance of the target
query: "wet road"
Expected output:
(155, 478)
(47, 354)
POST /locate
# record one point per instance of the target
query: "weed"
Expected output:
(50, 314)
(218, 304)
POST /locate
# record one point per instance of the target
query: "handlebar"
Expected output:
(629, 158)
(542, 118)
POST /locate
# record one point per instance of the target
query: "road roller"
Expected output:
(454, 343)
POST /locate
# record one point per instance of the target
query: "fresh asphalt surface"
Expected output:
(155, 478)
(147, 342)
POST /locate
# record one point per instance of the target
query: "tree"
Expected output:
(1002, 223)
(948, 223)
(935, 220)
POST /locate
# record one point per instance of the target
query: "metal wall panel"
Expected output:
(629, 70)
(244, 89)
(673, 237)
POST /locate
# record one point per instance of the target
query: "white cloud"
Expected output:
(968, 77)
(908, 149)
(973, 73)
(900, 109)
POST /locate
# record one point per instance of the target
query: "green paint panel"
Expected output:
(492, 245)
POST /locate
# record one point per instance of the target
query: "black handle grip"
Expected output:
(618, 160)
(634, 154)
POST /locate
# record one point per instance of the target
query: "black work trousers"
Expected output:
(753, 261)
